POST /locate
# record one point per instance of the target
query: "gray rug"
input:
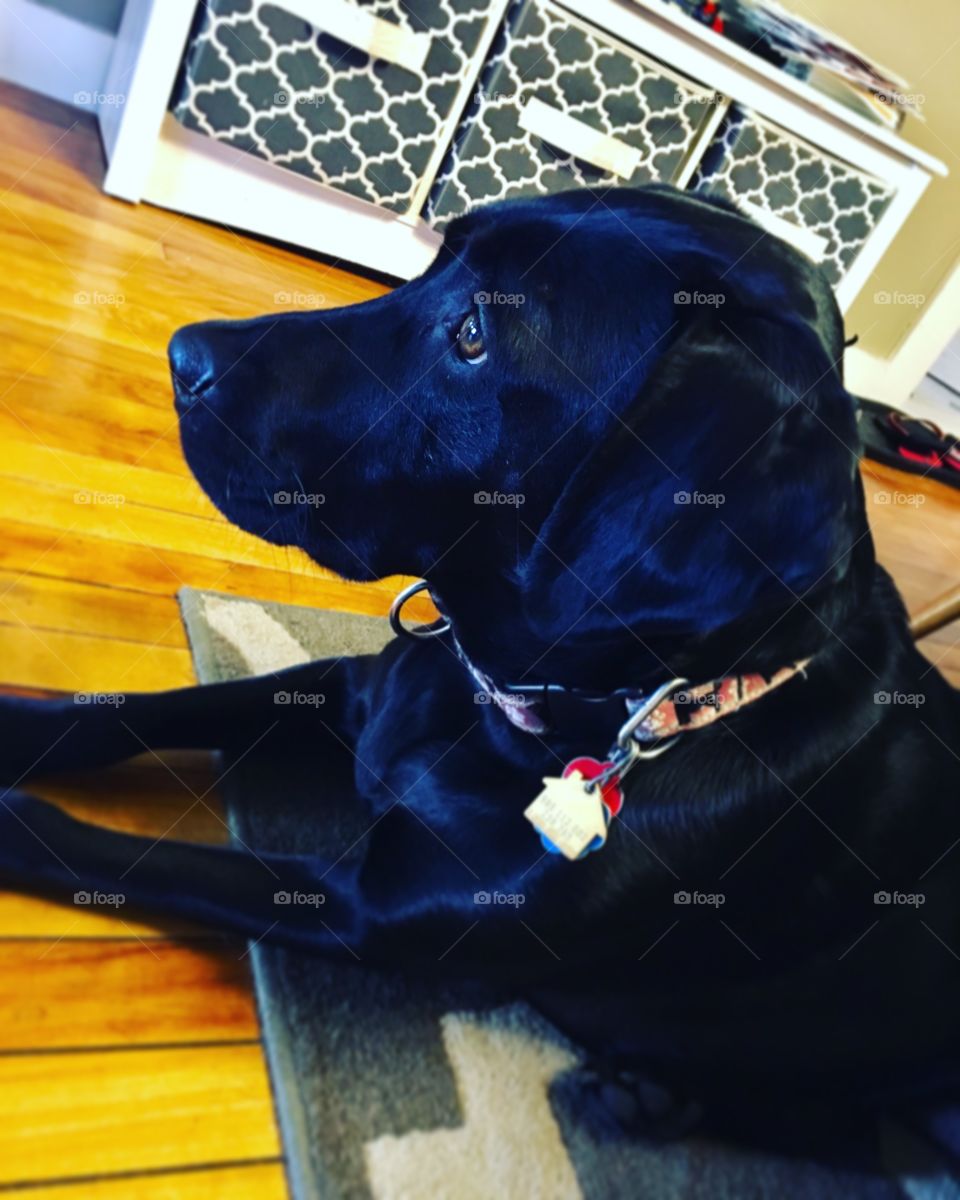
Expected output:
(391, 1090)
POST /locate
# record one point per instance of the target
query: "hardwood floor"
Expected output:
(129, 1052)
(130, 1064)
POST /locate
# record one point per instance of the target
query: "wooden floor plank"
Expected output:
(125, 993)
(59, 466)
(42, 415)
(23, 916)
(66, 553)
(78, 664)
(80, 1114)
(65, 508)
(173, 543)
(37, 359)
(942, 650)
(46, 603)
(261, 1181)
(915, 523)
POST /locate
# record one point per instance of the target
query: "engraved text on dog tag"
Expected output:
(568, 815)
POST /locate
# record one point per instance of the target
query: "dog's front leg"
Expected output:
(420, 909)
(292, 898)
(93, 729)
(428, 914)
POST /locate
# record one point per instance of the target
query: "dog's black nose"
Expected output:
(191, 365)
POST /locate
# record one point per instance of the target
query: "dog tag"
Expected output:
(568, 817)
(590, 768)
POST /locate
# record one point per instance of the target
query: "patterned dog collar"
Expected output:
(531, 707)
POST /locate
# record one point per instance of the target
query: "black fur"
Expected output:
(602, 396)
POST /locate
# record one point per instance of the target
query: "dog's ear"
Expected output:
(728, 486)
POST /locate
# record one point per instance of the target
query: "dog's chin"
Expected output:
(344, 566)
(248, 510)
(254, 514)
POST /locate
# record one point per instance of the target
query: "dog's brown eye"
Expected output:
(470, 345)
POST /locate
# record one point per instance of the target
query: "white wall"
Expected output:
(57, 55)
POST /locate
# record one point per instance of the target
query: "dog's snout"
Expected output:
(191, 365)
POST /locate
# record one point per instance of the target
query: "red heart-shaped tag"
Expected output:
(590, 768)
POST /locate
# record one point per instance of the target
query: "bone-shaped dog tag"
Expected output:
(568, 815)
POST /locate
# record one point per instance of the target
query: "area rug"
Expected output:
(389, 1089)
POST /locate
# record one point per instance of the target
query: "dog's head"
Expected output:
(599, 410)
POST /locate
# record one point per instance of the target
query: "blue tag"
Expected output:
(594, 845)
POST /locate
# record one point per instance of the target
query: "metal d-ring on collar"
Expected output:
(442, 625)
(625, 738)
(627, 751)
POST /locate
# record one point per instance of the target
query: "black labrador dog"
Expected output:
(610, 430)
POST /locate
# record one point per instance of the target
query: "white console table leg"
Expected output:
(143, 67)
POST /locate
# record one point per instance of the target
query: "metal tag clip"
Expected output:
(627, 751)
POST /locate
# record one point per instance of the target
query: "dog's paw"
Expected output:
(634, 1103)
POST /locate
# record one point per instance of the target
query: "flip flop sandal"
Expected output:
(914, 439)
(926, 440)
(910, 444)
